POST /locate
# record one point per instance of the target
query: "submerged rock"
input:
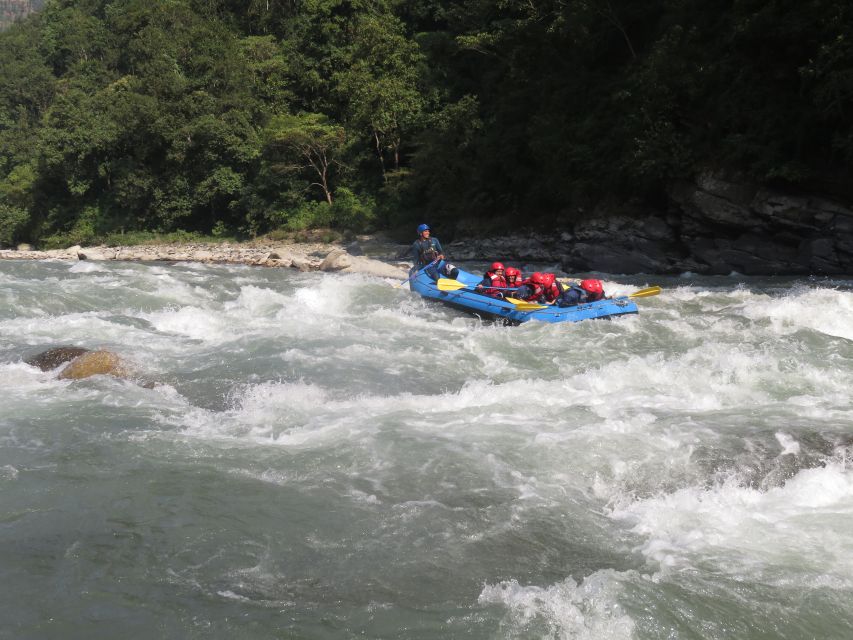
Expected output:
(52, 358)
(94, 363)
(83, 363)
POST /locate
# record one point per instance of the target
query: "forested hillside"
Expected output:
(231, 117)
(13, 10)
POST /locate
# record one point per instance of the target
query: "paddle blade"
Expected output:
(446, 284)
(524, 305)
(645, 293)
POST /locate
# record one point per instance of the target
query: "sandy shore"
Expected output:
(311, 256)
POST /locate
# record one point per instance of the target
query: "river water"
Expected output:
(328, 456)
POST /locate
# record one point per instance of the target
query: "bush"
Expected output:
(84, 231)
(277, 235)
(351, 212)
(310, 215)
(348, 212)
(13, 221)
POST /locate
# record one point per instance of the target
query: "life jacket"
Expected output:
(514, 281)
(553, 291)
(494, 283)
(531, 291)
(575, 295)
(428, 250)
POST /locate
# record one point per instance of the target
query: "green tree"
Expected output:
(309, 145)
(380, 85)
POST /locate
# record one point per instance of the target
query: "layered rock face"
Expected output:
(727, 226)
(712, 226)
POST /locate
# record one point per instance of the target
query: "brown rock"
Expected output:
(94, 363)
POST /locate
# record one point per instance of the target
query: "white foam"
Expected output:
(192, 322)
(827, 311)
(8, 472)
(805, 526)
(789, 445)
(590, 611)
(86, 266)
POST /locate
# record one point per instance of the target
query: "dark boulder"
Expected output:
(52, 358)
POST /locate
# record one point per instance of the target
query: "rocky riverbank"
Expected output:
(301, 256)
(712, 226)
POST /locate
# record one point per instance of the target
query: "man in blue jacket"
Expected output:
(587, 291)
(427, 250)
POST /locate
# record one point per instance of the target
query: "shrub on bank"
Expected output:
(13, 220)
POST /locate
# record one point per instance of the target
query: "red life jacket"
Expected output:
(513, 281)
(553, 292)
(497, 281)
(537, 290)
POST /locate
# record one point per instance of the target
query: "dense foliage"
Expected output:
(241, 117)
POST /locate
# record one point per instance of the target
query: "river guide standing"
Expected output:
(427, 250)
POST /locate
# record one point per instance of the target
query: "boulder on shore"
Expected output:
(377, 268)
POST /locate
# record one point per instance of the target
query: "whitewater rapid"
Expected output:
(330, 456)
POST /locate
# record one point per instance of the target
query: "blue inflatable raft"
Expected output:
(512, 313)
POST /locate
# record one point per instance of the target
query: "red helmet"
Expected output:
(497, 265)
(538, 278)
(549, 279)
(593, 286)
(512, 272)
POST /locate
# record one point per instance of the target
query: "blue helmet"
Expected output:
(422, 228)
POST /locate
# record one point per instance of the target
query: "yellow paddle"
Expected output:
(524, 305)
(645, 293)
(446, 284)
(642, 293)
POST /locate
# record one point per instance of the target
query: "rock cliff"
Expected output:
(711, 226)
(12, 10)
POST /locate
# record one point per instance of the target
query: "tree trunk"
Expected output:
(379, 154)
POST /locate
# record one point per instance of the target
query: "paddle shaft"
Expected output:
(446, 284)
(417, 273)
(642, 293)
